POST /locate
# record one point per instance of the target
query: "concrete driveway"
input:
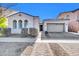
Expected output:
(59, 35)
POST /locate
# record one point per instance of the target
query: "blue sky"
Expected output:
(45, 10)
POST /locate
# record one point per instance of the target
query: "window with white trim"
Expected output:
(14, 24)
(25, 23)
(20, 24)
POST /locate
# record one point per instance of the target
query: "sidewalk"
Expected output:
(10, 39)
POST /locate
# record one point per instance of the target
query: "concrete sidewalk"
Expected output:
(10, 39)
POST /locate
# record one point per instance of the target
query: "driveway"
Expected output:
(59, 35)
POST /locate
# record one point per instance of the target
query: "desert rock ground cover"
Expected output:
(13, 48)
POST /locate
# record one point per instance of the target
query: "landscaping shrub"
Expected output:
(33, 32)
(7, 31)
(3, 22)
(24, 32)
(1, 32)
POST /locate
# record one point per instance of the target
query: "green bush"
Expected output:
(33, 32)
(7, 31)
(24, 32)
(3, 22)
(3, 25)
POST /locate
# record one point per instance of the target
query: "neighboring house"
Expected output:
(6, 12)
(50, 25)
(21, 20)
(72, 17)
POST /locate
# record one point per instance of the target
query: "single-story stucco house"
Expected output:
(50, 25)
(21, 20)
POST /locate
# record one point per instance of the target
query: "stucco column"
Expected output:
(17, 25)
(66, 27)
(45, 27)
(22, 24)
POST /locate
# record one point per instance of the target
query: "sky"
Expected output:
(43, 10)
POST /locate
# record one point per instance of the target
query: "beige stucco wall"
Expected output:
(36, 22)
(62, 16)
(32, 23)
(73, 25)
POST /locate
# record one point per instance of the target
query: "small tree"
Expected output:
(3, 19)
(3, 22)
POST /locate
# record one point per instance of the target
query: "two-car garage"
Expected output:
(55, 26)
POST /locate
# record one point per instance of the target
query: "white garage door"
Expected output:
(55, 27)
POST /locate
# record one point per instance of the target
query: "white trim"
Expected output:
(66, 27)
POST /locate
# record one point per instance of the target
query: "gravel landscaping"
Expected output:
(14, 45)
(13, 48)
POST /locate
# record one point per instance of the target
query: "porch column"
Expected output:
(66, 27)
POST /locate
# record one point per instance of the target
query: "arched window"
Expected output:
(25, 23)
(20, 24)
(14, 24)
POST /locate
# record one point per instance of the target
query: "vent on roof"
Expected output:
(20, 15)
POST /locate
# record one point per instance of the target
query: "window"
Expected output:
(25, 23)
(67, 17)
(14, 24)
(20, 24)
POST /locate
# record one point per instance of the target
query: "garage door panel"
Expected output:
(55, 27)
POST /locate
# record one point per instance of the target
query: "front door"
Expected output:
(41, 27)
